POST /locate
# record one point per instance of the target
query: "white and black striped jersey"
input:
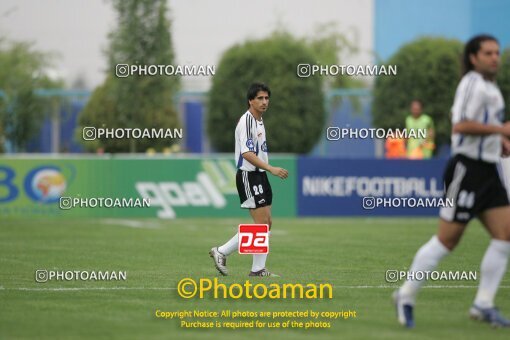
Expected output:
(250, 136)
(479, 100)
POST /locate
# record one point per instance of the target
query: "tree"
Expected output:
(295, 117)
(22, 111)
(142, 37)
(429, 69)
(504, 79)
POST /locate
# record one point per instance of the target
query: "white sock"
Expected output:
(259, 261)
(426, 259)
(491, 272)
(231, 246)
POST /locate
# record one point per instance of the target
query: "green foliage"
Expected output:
(141, 37)
(504, 79)
(101, 108)
(428, 69)
(295, 117)
(22, 71)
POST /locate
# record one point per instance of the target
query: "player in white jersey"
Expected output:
(251, 156)
(472, 180)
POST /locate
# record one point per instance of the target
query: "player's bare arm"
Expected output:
(470, 127)
(256, 161)
(505, 146)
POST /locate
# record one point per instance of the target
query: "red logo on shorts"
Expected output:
(253, 239)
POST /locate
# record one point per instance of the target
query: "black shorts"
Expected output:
(254, 189)
(473, 186)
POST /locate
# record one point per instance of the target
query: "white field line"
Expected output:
(72, 289)
(130, 223)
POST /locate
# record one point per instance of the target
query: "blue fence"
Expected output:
(343, 107)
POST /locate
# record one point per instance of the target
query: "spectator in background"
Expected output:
(395, 148)
(420, 148)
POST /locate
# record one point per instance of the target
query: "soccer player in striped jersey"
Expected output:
(472, 180)
(255, 194)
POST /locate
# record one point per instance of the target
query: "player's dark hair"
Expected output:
(254, 89)
(472, 47)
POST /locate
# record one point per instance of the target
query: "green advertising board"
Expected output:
(169, 187)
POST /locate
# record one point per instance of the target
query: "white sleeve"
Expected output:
(469, 101)
(247, 134)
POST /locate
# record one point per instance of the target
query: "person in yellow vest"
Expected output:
(420, 148)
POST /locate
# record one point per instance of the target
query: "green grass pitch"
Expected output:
(352, 254)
